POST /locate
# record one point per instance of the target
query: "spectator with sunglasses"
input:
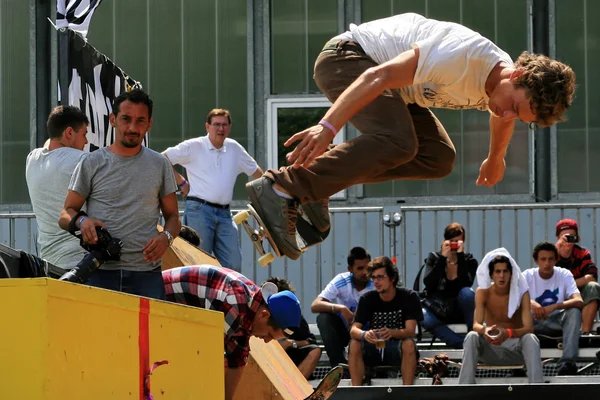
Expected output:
(578, 260)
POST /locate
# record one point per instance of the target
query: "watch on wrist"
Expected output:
(294, 344)
(169, 236)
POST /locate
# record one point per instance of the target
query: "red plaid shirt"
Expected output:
(219, 289)
(580, 263)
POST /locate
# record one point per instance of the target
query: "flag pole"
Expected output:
(63, 65)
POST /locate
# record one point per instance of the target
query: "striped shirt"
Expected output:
(341, 290)
(219, 289)
(580, 263)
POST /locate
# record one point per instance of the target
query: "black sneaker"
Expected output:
(567, 368)
(278, 214)
(318, 213)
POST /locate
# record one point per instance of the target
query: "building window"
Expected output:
(299, 30)
(287, 116)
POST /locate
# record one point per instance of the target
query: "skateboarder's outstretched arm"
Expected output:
(397, 73)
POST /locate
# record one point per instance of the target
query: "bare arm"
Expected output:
(322, 305)
(156, 247)
(179, 179)
(258, 173)
(73, 204)
(232, 379)
(410, 330)
(501, 132)
(170, 210)
(492, 168)
(397, 73)
(575, 301)
(526, 317)
(479, 316)
(584, 280)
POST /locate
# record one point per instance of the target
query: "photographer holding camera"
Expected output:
(578, 260)
(449, 275)
(125, 186)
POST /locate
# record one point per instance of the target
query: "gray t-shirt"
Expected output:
(48, 174)
(124, 194)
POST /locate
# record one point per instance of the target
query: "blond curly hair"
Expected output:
(550, 86)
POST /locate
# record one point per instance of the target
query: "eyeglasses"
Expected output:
(216, 125)
(378, 277)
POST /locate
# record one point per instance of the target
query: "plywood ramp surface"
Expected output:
(181, 253)
(271, 374)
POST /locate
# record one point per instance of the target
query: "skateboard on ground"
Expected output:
(498, 367)
(305, 231)
(549, 341)
(328, 385)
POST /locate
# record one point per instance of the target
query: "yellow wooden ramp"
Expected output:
(60, 340)
(271, 374)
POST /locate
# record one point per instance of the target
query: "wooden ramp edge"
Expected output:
(271, 374)
(182, 253)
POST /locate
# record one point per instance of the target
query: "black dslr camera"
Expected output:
(107, 248)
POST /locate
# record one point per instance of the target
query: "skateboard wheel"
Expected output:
(560, 346)
(241, 217)
(266, 259)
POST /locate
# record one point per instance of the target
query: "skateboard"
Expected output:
(305, 231)
(498, 367)
(547, 341)
(328, 385)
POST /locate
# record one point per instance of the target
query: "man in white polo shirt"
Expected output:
(213, 163)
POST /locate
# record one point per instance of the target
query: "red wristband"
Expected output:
(510, 333)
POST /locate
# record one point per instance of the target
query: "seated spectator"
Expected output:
(301, 346)
(449, 275)
(190, 235)
(385, 324)
(579, 261)
(502, 327)
(555, 303)
(337, 303)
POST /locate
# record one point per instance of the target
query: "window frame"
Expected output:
(273, 105)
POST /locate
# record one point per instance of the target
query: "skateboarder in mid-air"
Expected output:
(383, 76)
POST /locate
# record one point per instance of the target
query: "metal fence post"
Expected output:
(392, 222)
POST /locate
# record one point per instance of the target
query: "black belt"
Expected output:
(208, 203)
(334, 44)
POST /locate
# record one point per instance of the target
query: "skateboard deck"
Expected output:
(498, 367)
(328, 385)
(306, 234)
(550, 341)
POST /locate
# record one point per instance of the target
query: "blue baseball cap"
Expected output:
(285, 309)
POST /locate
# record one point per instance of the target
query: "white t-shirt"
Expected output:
(560, 287)
(454, 61)
(341, 290)
(212, 172)
(48, 174)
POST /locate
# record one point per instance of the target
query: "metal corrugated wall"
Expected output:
(516, 227)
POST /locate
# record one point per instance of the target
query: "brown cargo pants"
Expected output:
(397, 141)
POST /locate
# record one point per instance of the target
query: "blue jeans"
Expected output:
(465, 303)
(569, 322)
(141, 283)
(218, 233)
